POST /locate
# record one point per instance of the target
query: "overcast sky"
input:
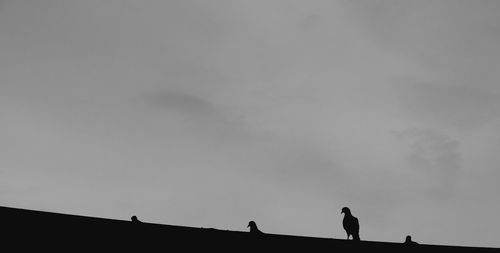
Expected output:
(214, 113)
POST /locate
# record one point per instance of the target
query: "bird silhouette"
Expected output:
(253, 228)
(408, 241)
(135, 220)
(351, 224)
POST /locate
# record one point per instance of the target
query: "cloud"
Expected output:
(456, 39)
(457, 106)
(434, 155)
(182, 102)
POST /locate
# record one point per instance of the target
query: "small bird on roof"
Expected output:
(408, 241)
(253, 228)
(134, 219)
(351, 224)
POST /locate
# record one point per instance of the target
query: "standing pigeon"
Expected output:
(253, 228)
(351, 224)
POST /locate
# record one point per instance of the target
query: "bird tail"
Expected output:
(355, 237)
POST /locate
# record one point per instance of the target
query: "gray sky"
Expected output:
(214, 113)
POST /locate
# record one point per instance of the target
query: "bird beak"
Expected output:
(342, 212)
(248, 226)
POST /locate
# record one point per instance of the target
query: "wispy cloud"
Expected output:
(435, 155)
(457, 106)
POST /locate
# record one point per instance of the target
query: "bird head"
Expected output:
(252, 224)
(345, 210)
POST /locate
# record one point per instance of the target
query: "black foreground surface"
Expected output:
(28, 230)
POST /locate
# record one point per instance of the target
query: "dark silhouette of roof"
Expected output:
(350, 224)
(38, 231)
(253, 228)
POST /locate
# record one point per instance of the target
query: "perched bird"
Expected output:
(351, 224)
(253, 228)
(134, 219)
(408, 241)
